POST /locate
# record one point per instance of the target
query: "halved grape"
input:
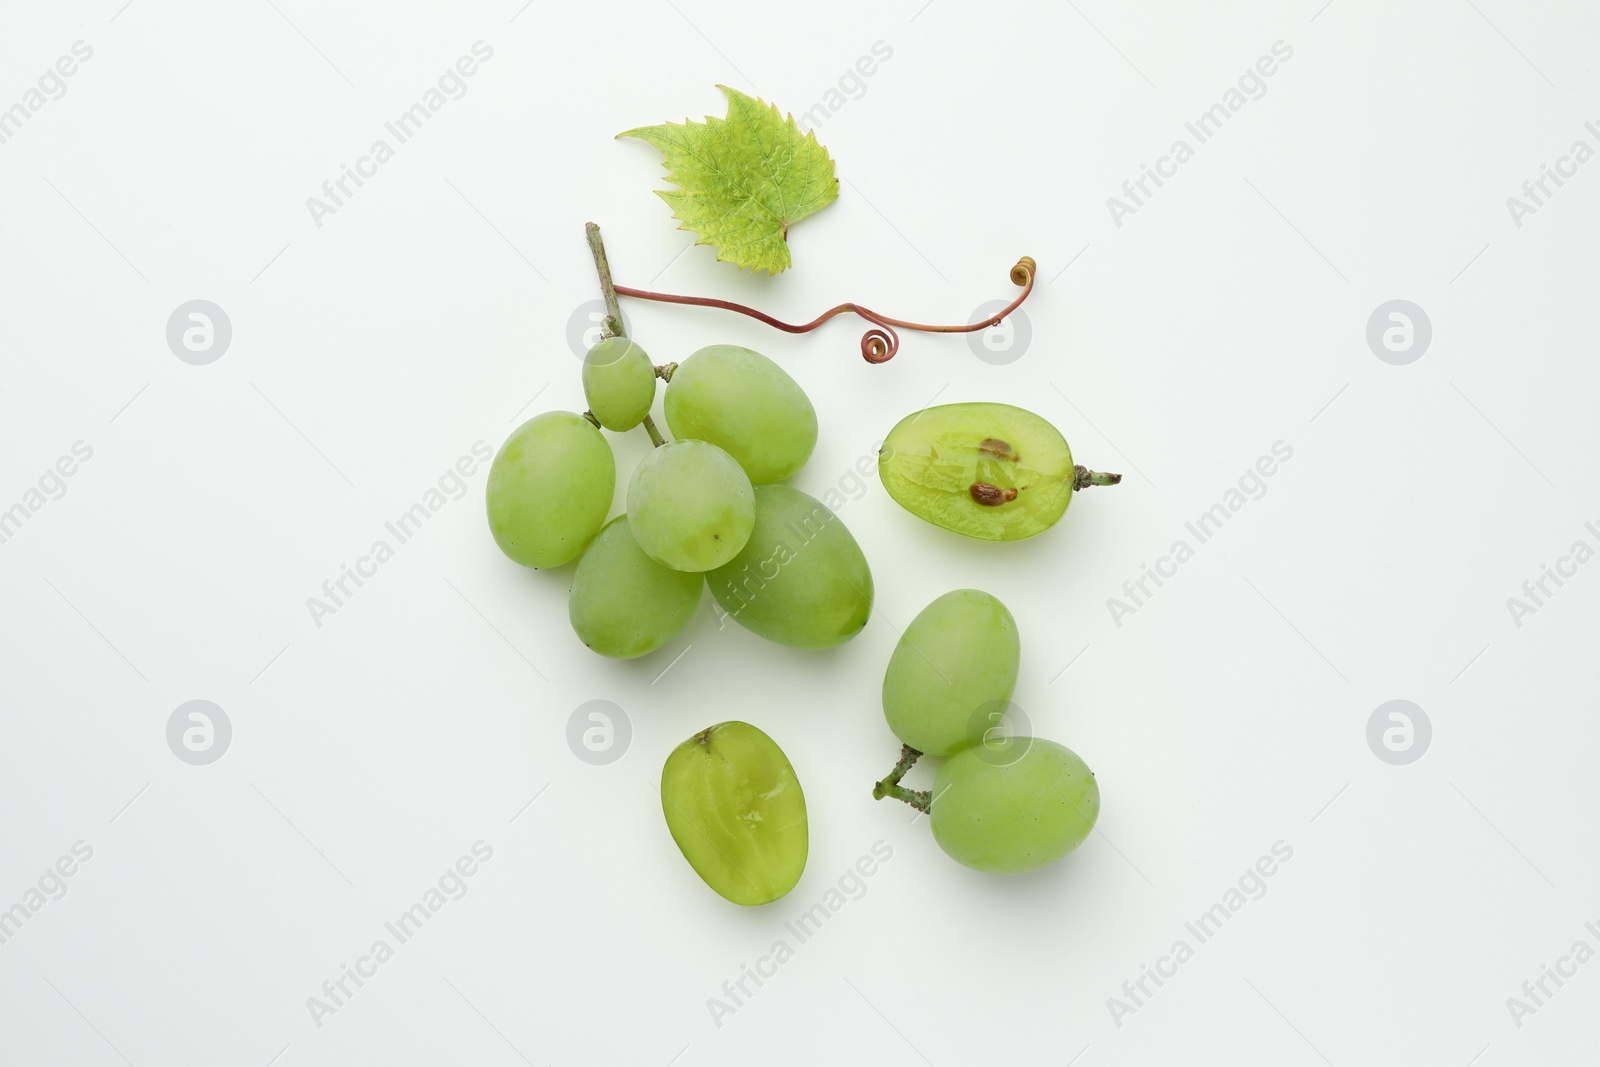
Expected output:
(623, 603)
(744, 403)
(991, 471)
(1013, 804)
(690, 506)
(736, 811)
(958, 657)
(549, 489)
(801, 579)
(619, 382)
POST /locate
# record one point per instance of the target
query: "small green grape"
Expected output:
(801, 579)
(744, 403)
(623, 603)
(690, 505)
(735, 809)
(619, 382)
(549, 489)
(1013, 804)
(990, 471)
(959, 656)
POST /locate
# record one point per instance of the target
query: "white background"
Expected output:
(1228, 713)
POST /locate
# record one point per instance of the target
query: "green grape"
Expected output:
(623, 603)
(801, 579)
(744, 403)
(957, 660)
(990, 471)
(549, 489)
(736, 811)
(1013, 804)
(690, 506)
(619, 382)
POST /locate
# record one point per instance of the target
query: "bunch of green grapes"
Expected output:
(1001, 801)
(702, 509)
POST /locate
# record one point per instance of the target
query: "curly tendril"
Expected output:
(878, 345)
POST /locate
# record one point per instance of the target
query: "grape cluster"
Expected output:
(1001, 801)
(702, 509)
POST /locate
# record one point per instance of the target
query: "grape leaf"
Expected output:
(743, 179)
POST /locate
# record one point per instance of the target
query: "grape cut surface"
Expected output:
(990, 471)
(734, 807)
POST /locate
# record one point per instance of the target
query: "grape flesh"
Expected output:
(619, 383)
(690, 506)
(623, 603)
(735, 809)
(801, 579)
(744, 403)
(954, 664)
(549, 489)
(990, 471)
(1013, 804)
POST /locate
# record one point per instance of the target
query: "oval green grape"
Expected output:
(735, 809)
(549, 489)
(619, 383)
(745, 404)
(1013, 804)
(956, 660)
(690, 505)
(801, 579)
(623, 603)
(990, 471)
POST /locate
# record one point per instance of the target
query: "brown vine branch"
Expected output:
(877, 345)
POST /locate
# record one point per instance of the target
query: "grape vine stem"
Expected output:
(921, 799)
(613, 324)
(878, 345)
